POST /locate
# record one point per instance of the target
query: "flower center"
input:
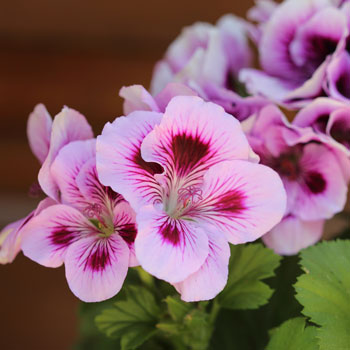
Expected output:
(94, 212)
(179, 201)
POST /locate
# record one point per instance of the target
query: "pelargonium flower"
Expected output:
(329, 119)
(207, 58)
(46, 138)
(310, 171)
(299, 42)
(92, 231)
(187, 175)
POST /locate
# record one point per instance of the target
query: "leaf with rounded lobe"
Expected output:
(324, 292)
(133, 320)
(249, 264)
(293, 335)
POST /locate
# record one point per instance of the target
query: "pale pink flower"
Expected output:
(188, 176)
(92, 231)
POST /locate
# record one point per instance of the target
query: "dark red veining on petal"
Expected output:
(287, 165)
(231, 202)
(171, 232)
(128, 232)
(315, 182)
(99, 257)
(341, 133)
(62, 236)
(189, 151)
(151, 167)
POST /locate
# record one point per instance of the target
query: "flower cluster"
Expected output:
(205, 159)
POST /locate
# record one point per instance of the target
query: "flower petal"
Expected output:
(125, 226)
(192, 136)
(292, 234)
(137, 98)
(323, 190)
(119, 161)
(66, 168)
(167, 248)
(211, 278)
(47, 236)
(96, 267)
(238, 200)
(39, 132)
(69, 125)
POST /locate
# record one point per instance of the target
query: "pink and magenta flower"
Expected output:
(187, 173)
(207, 58)
(302, 48)
(311, 173)
(91, 231)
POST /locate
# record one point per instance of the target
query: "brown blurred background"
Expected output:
(79, 54)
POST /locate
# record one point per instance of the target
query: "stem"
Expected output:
(145, 277)
(214, 312)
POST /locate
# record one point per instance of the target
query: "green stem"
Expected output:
(145, 278)
(214, 312)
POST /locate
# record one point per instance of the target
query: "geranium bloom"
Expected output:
(92, 231)
(46, 138)
(313, 178)
(188, 176)
(207, 58)
(329, 119)
(299, 42)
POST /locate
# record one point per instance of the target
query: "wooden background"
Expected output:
(74, 53)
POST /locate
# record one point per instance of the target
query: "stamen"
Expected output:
(190, 195)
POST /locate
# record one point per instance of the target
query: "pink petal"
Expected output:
(192, 136)
(10, 243)
(211, 278)
(69, 125)
(96, 267)
(137, 98)
(238, 200)
(119, 161)
(47, 236)
(66, 168)
(323, 190)
(39, 132)
(167, 248)
(125, 226)
(292, 234)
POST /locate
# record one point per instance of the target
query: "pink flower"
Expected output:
(310, 171)
(188, 176)
(92, 231)
(45, 138)
(207, 58)
(299, 46)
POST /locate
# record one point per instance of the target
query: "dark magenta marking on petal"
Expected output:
(151, 167)
(315, 182)
(128, 232)
(232, 202)
(320, 124)
(343, 84)
(171, 232)
(188, 152)
(341, 133)
(99, 256)
(62, 236)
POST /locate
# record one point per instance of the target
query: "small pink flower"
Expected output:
(92, 232)
(188, 176)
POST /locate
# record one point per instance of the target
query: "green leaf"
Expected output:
(177, 308)
(294, 335)
(249, 264)
(324, 291)
(133, 320)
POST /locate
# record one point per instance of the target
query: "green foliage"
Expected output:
(294, 335)
(249, 264)
(133, 320)
(324, 291)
